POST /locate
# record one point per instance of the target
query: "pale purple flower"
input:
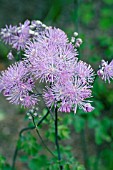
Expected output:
(70, 95)
(1, 84)
(31, 50)
(52, 58)
(106, 70)
(16, 36)
(84, 72)
(49, 97)
(65, 107)
(29, 100)
(51, 61)
(17, 85)
(7, 33)
(19, 40)
(52, 36)
(24, 28)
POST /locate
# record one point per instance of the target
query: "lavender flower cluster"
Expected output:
(106, 70)
(17, 36)
(50, 57)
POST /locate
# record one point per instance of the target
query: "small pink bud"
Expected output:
(88, 107)
(104, 63)
(100, 73)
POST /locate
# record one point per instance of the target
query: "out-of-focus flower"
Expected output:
(106, 70)
(16, 36)
(7, 33)
(17, 85)
(19, 40)
(24, 28)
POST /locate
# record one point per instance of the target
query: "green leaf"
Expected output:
(63, 131)
(38, 163)
(109, 2)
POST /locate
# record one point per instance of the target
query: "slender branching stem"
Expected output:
(38, 133)
(25, 129)
(17, 149)
(14, 157)
(43, 118)
(76, 16)
(20, 135)
(56, 139)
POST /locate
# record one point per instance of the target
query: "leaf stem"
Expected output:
(36, 128)
(20, 135)
(56, 138)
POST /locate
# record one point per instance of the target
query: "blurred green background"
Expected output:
(89, 136)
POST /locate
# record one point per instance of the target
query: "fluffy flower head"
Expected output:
(84, 72)
(69, 95)
(106, 70)
(51, 56)
(17, 84)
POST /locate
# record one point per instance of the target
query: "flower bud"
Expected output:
(10, 56)
(100, 73)
(88, 107)
(30, 117)
(72, 39)
(35, 114)
(75, 34)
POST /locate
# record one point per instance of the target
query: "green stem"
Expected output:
(17, 149)
(76, 16)
(56, 139)
(36, 128)
(20, 135)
